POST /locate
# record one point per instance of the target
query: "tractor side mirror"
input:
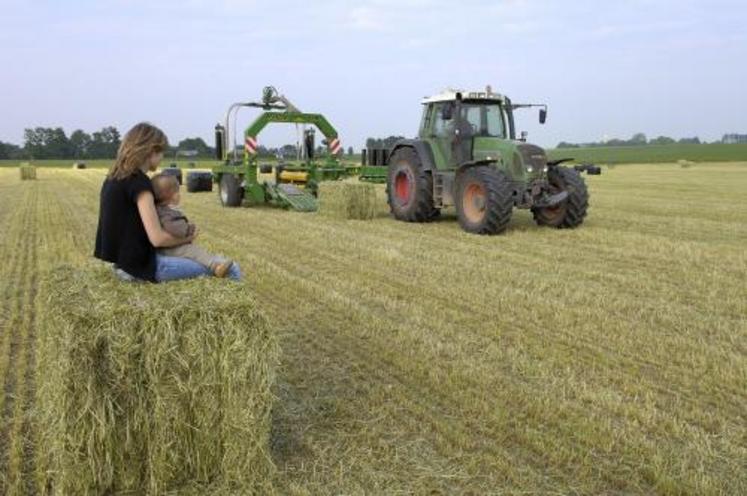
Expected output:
(447, 112)
(543, 116)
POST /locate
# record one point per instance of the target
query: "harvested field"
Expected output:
(418, 359)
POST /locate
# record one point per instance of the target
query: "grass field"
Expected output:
(716, 152)
(418, 359)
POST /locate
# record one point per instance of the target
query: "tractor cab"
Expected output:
(464, 127)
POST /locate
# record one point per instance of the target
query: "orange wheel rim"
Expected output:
(402, 187)
(474, 202)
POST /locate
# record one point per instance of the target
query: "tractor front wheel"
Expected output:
(484, 200)
(571, 212)
(230, 190)
(410, 188)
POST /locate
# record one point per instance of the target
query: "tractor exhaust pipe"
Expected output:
(219, 141)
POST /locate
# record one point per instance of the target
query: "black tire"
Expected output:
(572, 211)
(199, 181)
(409, 188)
(230, 191)
(173, 171)
(484, 200)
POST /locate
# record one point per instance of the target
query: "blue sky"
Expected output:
(676, 68)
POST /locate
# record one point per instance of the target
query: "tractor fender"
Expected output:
(423, 150)
(474, 163)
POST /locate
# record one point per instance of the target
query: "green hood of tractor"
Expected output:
(521, 161)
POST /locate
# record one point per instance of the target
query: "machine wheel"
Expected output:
(410, 188)
(173, 171)
(572, 211)
(199, 181)
(484, 200)
(230, 191)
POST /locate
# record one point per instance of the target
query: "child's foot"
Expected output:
(220, 269)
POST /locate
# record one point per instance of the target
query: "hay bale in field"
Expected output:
(685, 163)
(148, 388)
(347, 200)
(79, 165)
(27, 172)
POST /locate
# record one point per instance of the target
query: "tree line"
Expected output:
(638, 139)
(53, 143)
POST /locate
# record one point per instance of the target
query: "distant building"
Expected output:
(187, 153)
(734, 138)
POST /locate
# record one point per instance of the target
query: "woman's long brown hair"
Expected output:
(140, 142)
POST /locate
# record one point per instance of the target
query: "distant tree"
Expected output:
(105, 143)
(34, 142)
(198, 144)
(661, 140)
(638, 139)
(689, 141)
(80, 142)
(9, 151)
(350, 151)
(563, 144)
(288, 151)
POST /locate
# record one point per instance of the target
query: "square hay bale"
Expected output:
(347, 200)
(149, 388)
(27, 172)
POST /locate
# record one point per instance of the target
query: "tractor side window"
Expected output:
(485, 120)
(441, 127)
(494, 121)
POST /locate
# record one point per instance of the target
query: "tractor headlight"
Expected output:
(530, 169)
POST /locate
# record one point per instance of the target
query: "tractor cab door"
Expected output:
(440, 130)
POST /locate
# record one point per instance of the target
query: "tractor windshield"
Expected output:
(485, 119)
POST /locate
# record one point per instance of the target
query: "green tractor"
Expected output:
(242, 180)
(467, 155)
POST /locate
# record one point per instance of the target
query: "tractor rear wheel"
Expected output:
(409, 188)
(484, 200)
(230, 191)
(572, 211)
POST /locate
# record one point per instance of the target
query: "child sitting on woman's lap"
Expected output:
(174, 221)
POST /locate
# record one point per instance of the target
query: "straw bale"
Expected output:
(27, 172)
(147, 388)
(347, 200)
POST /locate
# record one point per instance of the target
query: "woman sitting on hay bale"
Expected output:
(129, 230)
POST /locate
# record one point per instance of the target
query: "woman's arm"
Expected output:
(158, 237)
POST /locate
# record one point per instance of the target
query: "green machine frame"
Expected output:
(277, 109)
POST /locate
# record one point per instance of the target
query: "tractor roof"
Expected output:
(451, 94)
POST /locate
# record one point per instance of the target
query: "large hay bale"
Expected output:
(27, 172)
(147, 388)
(347, 200)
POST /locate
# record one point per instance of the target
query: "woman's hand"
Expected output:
(157, 236)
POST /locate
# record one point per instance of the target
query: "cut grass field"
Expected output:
(418, 359)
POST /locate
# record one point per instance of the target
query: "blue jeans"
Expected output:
(173, 268)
